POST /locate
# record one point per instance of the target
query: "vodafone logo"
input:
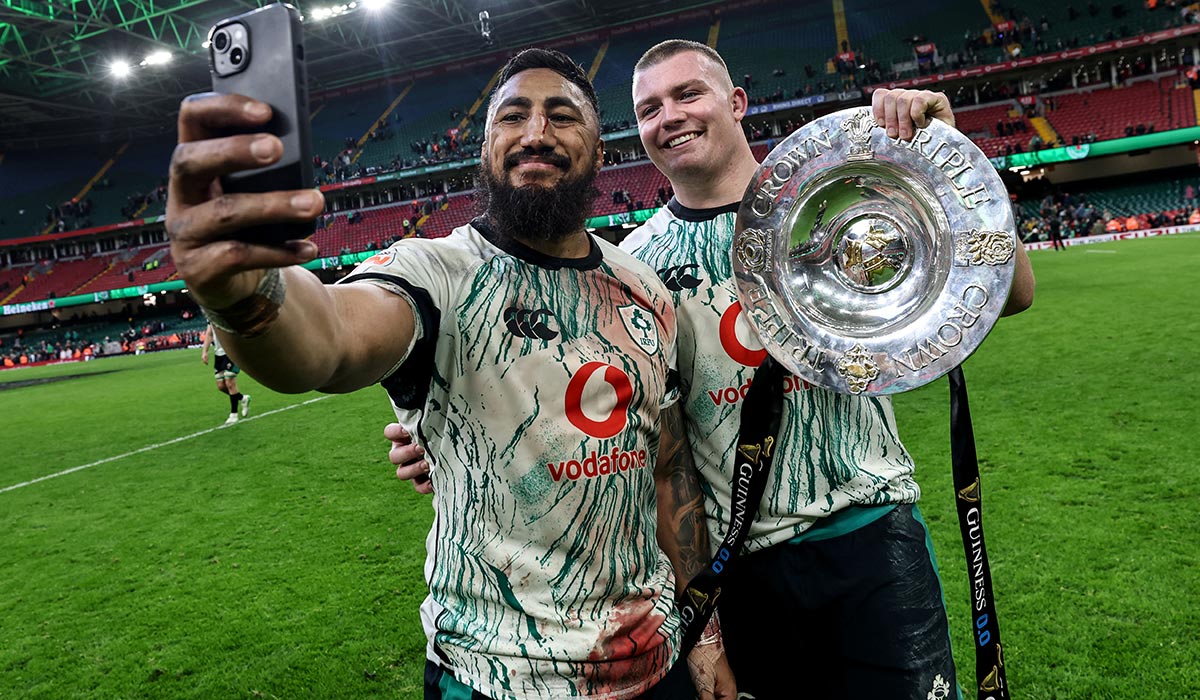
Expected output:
(382, 259)
(579, 385)
(731, 321)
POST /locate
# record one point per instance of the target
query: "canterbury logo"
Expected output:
(530, 323)
(680, 278)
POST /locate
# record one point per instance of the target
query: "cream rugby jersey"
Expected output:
(535, 387)
(835, 450)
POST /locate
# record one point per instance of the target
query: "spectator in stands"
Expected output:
(1054, 226)
(225, 372)
(595, 606)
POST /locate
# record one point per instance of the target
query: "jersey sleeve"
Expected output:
(417, 271)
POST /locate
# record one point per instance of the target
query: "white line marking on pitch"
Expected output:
(160, 444)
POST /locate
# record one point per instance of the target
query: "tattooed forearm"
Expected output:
(682, 532)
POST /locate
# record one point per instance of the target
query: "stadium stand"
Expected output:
(985, 125)
(341, 120)
(1147, 105)
(136, 183)
(1070, 24)
(641, 181)
(58, 278)
(35, 183)
(782, 51)
(422, 123)
(876, 28)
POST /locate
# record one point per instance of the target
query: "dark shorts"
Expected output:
(441, 684)
(223, 367)
(859, 616)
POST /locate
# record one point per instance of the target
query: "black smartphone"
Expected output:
(260, 54)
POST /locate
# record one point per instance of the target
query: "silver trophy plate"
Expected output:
(870, 265)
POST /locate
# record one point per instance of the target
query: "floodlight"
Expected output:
(375, 5)
(157, 58)
(120, 68)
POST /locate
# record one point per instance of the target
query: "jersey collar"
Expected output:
(521, 251)
(689, 214)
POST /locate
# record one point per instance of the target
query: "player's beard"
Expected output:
(533, 212)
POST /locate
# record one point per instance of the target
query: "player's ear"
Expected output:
(599, 156)
(739, 101)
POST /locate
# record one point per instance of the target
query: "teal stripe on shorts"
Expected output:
(452, 689)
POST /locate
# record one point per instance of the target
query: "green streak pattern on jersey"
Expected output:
(541, 426)
(835, 450)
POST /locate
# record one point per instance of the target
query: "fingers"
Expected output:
(396, 433)
(224, 259)
(206, 115)
(890, 121)
(883, 107)
(917, 112)
(405, 454)
(409, 458)
(421, 484)
(218, 218)
(418, 474)
(195, 164)
(902, 112)
(877, 99)
(201, 218)
(940, 108)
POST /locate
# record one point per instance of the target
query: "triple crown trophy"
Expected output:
(868, 266)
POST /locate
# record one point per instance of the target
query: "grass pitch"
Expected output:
(279, 557)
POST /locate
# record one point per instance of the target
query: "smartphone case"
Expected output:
(275, 73)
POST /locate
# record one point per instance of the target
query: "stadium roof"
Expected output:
(56, 86)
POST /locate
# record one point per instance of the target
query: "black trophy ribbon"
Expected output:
(761, 413)
(991, 683)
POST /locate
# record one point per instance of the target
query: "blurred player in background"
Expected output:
(225, 372)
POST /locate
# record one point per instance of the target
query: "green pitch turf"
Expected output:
(280, 558)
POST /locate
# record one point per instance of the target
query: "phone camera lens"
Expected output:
(221, 41)
(236, 56)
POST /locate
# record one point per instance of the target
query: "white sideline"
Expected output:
(160, 444)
